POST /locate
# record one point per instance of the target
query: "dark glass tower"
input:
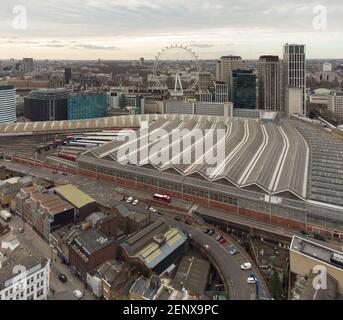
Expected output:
(244, 89)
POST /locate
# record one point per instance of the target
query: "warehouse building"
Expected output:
(132, 221)
(154, 248)
(84, 204)
(46, 213)
(89, 250)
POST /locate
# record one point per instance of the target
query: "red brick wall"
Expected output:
(223, 206)
(296, 225)
(254, 214)
(213, 204)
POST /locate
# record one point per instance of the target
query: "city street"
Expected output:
(230, 266)
(56, 266)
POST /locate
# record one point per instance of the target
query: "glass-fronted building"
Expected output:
(46, 104)
(244, 89)
(87, 105)
(7, 104)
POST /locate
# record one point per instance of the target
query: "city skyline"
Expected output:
(126, 30)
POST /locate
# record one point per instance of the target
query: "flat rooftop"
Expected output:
(314, 250)
(92, 240)
(192, 275)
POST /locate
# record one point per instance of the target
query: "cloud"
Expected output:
(202, 45)
(132, 17)
(95, 47)
(129, 25)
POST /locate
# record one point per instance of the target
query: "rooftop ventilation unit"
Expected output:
(160, 239)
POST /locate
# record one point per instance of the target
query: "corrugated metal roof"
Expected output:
(143, 245)
(75, 196)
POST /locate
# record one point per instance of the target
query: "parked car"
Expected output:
(246, 266)
(210, 232)
(222, 241)
(178, 219)
(62, 277)
(78, 294)
(252, 280)
(206, 230)
(206, 246)
(218, 238)
(188, 222)
(135, 202)
(151, 209)
(234, 251)
(129, 200)
(305, 234)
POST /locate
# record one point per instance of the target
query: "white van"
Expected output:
(78, 294)
(129, 200)
(246, 266)
(5, 215)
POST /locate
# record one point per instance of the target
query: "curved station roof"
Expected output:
(243, 152)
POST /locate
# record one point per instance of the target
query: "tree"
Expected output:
(275, 286)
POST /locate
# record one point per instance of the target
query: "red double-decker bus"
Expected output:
(162, 198)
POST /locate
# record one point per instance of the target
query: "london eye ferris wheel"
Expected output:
(176, 69)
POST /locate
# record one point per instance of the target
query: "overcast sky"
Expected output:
(129, 29)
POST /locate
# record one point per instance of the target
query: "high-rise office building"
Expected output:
(67, 75)
(294, 73)
(47, 105)
(87, 105)
(141, 62)
(7, 104)
(269, 75)
(225, 66)
(27, 66)
(244, 89)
